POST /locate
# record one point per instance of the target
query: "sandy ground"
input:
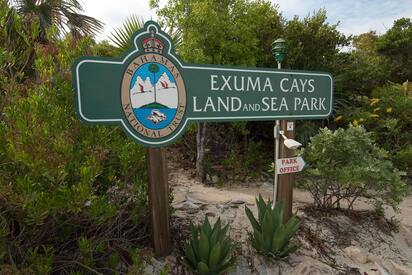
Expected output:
(184, 184)
(386, 251)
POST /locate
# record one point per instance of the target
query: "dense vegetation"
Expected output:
(73, 197)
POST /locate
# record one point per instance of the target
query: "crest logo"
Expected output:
(153, 93)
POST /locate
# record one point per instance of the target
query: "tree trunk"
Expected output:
(200, 148)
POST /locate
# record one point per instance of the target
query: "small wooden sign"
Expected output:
(290, 165)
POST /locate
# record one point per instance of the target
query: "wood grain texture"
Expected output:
(285, 188)
(158, 201)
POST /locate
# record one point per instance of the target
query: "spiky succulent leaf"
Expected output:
(287, 232)
(278, 216)
(288, 250)
(214, 257)
(261, 208)
(203, 247)
(190, 257)
(214, 251)
(270, 235)
(222, 233)
(252, 219)
(207, 229)
(226, 248)
(258, 240)
(194, 239)
(215, 233)
(267, 231)
(202, 268)
(225, 268)
(217, 225)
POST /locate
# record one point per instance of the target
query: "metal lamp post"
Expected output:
(279, 51)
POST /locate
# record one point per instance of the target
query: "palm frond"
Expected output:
(65, 14)
(121, 36)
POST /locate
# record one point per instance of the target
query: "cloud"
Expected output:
(355, 16)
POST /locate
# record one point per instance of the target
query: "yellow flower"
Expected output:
(355, 123)
(374, 101)
(389, 110)
(338, 118)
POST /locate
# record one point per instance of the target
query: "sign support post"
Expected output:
(158, 201)
(276, 131)
(285, 189)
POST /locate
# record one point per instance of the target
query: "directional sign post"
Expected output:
(153, 95)
(289, 165)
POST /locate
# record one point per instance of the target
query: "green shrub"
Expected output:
(387, 113)
(209, 250)
(345, 165)
(403, 158)
(62, 180)
(242, 161)
(271, 236)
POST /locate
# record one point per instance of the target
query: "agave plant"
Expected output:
(209, 250)
(271, 236)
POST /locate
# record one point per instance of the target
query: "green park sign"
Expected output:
(153, 95)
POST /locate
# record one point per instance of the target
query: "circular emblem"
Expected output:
(153, 96)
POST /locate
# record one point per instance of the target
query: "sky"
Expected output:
(355, 16)
(143, 72)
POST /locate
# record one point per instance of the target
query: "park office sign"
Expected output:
(153, 95)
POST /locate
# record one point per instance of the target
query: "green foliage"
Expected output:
(388, 114)
(236, 157)
(248, 162)
(396, 45)
(209, 249)
(104, 48)
(61, 14)
(403, 158)
(121, 37)
(223, 32)
(313, 43)
(271, 236)
(41, 260)
(16, 38)
(139, 261)
(362, 69)
(62, 180)
(346, 164)
(375, 60)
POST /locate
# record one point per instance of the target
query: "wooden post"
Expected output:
(285, 187)
(158, 201)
